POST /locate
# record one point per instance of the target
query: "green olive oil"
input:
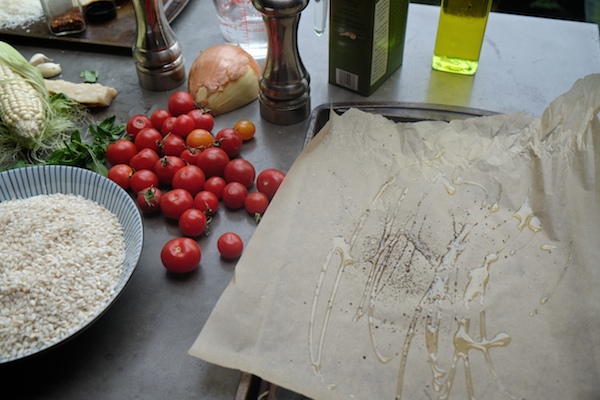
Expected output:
(460, 35)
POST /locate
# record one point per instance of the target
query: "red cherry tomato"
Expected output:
(240, 170)
(144, 159)
(230, 245)
(215, 184)
(148, 138)
(142, 179)
(149, 200)
(202, 119)
(183, 125)
(175, 202)
(181, 255)
(256, 203)
(158, 118)
(192, 222)
(207, 202)
(268, 181)
(136, 124)
(190, 178)
(213, 161)
(180, 102)
(172, 145)
(166, 167)
(120, 152)
(190, 155)
(229, 140)
(121, 175)
(167, 126)
(234, 195)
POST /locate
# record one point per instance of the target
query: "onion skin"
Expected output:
(223, 78)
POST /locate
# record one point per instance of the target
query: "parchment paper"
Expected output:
(427, 260)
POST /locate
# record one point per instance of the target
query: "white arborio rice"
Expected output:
(60, 259)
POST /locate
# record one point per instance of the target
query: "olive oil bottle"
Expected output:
(460, 35)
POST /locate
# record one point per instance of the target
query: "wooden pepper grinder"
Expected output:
(284, 87)
(156, 51)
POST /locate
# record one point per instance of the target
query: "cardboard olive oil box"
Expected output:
(366, 42)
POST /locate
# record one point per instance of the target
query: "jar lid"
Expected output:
(100, 11)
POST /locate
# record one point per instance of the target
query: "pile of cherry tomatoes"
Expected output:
(173, 164)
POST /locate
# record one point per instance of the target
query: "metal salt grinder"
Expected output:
(156, 52)
(284, 87)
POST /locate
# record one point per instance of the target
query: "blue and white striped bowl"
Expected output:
(26, 182)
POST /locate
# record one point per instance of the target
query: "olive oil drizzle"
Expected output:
(397, 243)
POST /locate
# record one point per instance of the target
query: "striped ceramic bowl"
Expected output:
(32, 181)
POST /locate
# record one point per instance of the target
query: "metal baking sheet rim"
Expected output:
(251, 387)
(172, 10)
(396, 111)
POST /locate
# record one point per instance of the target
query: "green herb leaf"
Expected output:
(91, 156)
(89, 76)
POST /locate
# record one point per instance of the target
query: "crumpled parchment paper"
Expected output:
(427, 260)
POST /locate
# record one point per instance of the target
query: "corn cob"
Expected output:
(21, 108)
(22, 97)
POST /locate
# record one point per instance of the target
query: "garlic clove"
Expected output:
(49, 69)
(38, 58)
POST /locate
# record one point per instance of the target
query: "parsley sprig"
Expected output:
(92, 156)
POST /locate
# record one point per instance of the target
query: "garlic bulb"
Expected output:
(223, 78)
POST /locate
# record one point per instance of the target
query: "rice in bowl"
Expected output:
(70, 240)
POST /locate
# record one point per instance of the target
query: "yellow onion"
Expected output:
(223, 78)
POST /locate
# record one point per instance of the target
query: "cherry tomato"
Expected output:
(192, 222)
(230, 245)
(229, 140)
(180, 102)
(234, 195)
(202, 119)
(240, 170)
(183, 125)
(148, 138)
(199, 139)
(120, 152)
(167, 126)
(166, 167)
(144, 159)
(268, 181)
(148, 200)
(181, 255)
(213, 161)
(190, 178)
(158, 118)
(142, 179)
(256, 203)
(175, 202)
(207, 202)
(190, 155)
(136, 124)
(121, 175)
(215, 184)
(172, 145)
(246, 128)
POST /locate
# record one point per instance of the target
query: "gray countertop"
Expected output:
(138, 349)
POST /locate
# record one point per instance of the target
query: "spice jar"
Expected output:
(64, 17)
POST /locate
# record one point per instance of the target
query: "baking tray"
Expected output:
(252, 387)
(396, 111)
(115, 36)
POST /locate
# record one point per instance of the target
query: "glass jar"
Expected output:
(64, 17)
